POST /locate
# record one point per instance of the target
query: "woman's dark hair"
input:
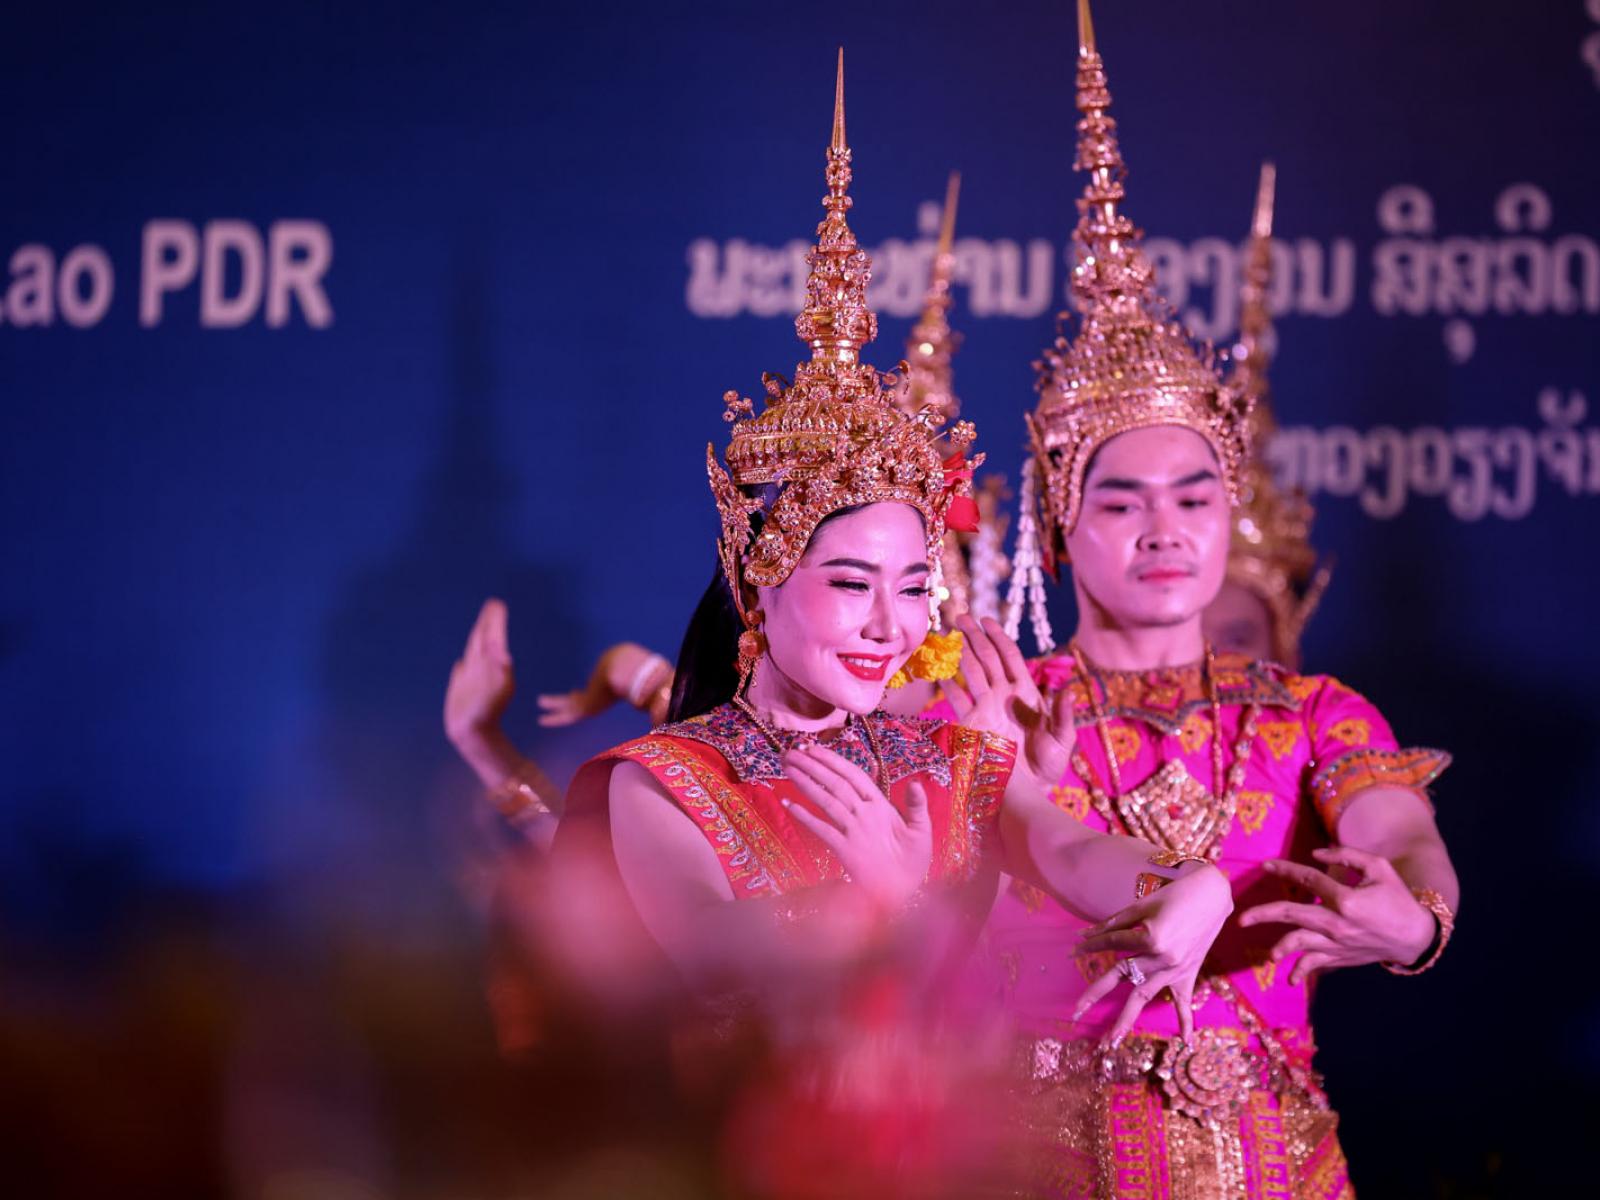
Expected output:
(708, 671)
(708, 659)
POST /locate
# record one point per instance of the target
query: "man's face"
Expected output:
(1151, 544)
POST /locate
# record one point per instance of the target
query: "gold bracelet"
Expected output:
(1147, 882)
(517, 800)
(1434, 903)
(638, 695)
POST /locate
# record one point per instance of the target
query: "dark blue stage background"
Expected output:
(321, 324)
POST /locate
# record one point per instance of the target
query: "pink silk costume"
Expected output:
(1244, 1117)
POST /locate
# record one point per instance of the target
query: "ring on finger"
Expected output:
(1132, 970)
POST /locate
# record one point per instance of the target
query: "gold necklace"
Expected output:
(1225, 787)
(782, 740)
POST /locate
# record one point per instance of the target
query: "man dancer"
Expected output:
(1137, 450)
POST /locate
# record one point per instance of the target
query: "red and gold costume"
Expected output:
(724, 771)
(838, 435)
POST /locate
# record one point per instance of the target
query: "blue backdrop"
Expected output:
(320, 325)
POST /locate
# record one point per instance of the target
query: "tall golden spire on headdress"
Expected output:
(834, 438)
(1131, 365)
(1253, 353)
(836, 321)
(1271, 552)
(929, 376)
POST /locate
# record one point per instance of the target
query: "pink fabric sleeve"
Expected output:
(1353, 748)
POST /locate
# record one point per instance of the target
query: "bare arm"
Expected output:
(1397, 824)
(684, 898)
(1388, 845)
(1090, 873)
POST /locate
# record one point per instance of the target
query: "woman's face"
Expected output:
(850, 613)
(1151, 544)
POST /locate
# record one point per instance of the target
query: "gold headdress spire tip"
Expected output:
(947, 220)
(1266, 189)
(930, 381)
(1271, 552)
(838, 106)
(1253, 353)
(835, 437)
(1131, 365)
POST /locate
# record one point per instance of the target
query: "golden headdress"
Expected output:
(836, 436)
(930, 379)
(1131, 365)
(1271, 552)
(930, 383)
(972, 561)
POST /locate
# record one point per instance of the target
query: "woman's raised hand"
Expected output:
(624, 671)
(883, 852)
(481, 681)
(1162, 942)
(1002, 698)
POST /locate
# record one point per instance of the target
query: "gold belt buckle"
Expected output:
(1212, 1081)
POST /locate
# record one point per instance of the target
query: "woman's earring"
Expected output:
(752, 645)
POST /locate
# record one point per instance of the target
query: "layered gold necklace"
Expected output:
(1171, 808)
(785, 739)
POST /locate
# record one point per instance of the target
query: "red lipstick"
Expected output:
(871, 667)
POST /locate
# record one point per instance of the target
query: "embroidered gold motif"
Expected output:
(1011, 963)
(1125, 741)
(1281, 737)
(1253, 809)
(1164, 695)
(1030, 897)
(1352, 731)
(1094, 964)
(1174, 810)
(1302, 687)
(1073, 800)
(1265, 974)
(1196, 732)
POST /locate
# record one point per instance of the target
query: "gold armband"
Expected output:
(1147, 882)
(1434, 903)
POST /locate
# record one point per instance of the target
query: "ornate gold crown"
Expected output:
(1271, 552)
(1132, 365)
(835, 437)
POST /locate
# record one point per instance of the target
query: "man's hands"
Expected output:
(1374, 919)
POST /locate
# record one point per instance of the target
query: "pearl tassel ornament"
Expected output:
(1027, 575)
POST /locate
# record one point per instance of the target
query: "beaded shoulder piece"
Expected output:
(906, 742)
(1165, 698)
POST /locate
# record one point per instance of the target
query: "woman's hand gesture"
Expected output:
(481, 682)
(883, 852)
